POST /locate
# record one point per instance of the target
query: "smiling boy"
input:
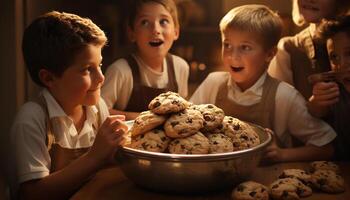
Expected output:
(250, 34)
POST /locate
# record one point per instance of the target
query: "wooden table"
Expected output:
(110, 183)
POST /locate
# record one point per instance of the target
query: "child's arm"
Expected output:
(63, 183)
(305, 153)
(324, 94)
(128, 115)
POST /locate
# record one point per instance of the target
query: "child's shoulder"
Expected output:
(30, 115)
(120, 65)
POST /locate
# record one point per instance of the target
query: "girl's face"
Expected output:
(244, 56)
(315, 10)
(80, 83)
(154, 31)
(338, 48)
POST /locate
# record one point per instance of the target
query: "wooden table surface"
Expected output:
(110, 183)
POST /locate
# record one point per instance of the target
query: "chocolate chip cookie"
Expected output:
(250, 190)
(289, 188)
(327, 181)
(242, 134)
(146, 121)
(169, 102)
(184, 123)
(154, 140)
(299, 174)
(213, 116)
(220, 143)
(194, 144)
(324, 165)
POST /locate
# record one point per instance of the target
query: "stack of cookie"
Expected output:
(294, 183)
(176, 126)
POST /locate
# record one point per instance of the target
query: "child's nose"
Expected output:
(235, 54)
(100, 78)
(156, 28)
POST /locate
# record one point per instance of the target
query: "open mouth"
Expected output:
(309, 7)
(236, 69)
(156, 43)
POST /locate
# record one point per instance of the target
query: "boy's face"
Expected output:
(338, 48)
(80, 83)
(314, 11)
(154, 30)
(244, 56)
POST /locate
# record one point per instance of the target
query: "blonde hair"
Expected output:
(254, 18)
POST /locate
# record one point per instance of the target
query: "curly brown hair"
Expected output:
(53, 40)
(328, 28)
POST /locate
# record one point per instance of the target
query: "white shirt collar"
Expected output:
(56, 111)
(248, 97)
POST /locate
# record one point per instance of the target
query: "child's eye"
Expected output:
(164, 22)
(144, 22)
(227, 46)
(246, 47)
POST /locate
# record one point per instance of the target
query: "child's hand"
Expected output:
(273, 153)
(325, 94)
(110, 136)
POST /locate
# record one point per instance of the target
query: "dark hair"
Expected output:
(136, 5)
(329, 28)
(259, 19)
(53, 40)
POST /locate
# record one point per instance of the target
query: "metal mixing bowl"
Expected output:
(191, 173)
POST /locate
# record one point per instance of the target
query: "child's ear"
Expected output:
(270, 54)
(46, 77)
(177, 33)
(131, 34)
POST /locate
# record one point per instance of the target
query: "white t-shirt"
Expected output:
(118, 83)
(291, 114)
(29, 134)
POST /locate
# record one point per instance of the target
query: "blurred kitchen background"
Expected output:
(199, 43)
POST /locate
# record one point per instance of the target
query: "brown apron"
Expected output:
(60, 157)
(307, 57)
(261, 113)
(141, 95)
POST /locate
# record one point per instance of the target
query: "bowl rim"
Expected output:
(197, 157)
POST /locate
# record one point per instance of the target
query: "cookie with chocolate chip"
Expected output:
(213, 116)
(194, 144)
(299, 174)
(324, 165)
(250, 190)
(327, 181)
(241, 133)
(184, 123)
(289, 188)
(220, 143)
(154, 140)
(146, 121)
(169, 102)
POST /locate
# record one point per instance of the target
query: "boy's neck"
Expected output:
(156, 63)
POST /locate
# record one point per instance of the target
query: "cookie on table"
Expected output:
(324, 165)
(146, 121)
(213, 116)
(154, 140)
(220, 143)
(194, 144)
(327, 181)
(169, 102)
(242, 134)
(300, 174)
(250, 190)
(184, 123)
(289, 188)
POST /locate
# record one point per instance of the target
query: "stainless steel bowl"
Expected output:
(191, 173)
